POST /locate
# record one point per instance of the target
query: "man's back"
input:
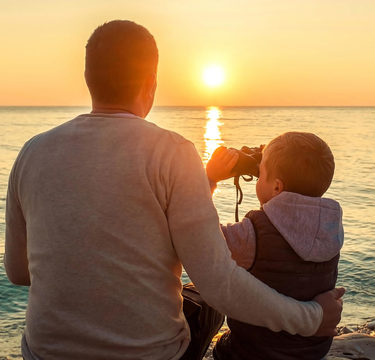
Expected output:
(105, 276)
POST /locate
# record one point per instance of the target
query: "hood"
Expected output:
(311, 225)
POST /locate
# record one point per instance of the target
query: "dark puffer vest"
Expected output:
(277, 265)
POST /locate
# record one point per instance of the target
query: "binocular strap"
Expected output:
(239, 193)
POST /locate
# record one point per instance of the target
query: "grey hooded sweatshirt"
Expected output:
(311, 225)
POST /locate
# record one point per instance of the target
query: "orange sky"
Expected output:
(279, 52)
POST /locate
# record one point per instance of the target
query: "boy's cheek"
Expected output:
(257, 190)
(261, 191)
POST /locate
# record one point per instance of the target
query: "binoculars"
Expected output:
(248, 161)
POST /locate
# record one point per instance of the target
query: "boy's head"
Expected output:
(297, 162)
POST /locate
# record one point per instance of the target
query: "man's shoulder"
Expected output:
(170, 135)
(45, 135)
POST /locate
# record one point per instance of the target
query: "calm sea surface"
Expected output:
(350, 132)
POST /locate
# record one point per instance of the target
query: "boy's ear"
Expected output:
(278, 187)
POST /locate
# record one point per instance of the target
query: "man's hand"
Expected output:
(220, 166)
(331, 303)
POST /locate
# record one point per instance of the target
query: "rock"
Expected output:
(352, 346)
(344, 330)
(371, 325)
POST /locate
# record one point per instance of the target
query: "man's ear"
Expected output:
(278, 187)
(150, 85)
(147, 93)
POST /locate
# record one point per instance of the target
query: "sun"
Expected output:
(213, 75)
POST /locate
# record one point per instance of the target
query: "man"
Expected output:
(103, 210)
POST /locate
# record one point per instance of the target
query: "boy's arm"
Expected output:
(241, 241)
(220, 165)
(240, 237)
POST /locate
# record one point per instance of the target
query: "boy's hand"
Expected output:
(220, 166)
(331, 303)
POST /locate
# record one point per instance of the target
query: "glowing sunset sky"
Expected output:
(280, 52)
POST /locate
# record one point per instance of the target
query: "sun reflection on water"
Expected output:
(212, 136)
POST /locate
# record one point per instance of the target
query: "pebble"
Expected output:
(344, 330)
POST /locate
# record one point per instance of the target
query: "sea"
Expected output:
(349, 131)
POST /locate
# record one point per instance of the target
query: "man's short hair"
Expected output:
(119, 56)
(302, 161)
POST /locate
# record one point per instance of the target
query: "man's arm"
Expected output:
(200, 245)
(15, 257)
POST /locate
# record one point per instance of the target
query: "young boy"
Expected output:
(292, 243)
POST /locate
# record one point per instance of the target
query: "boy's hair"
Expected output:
(119, 56)
(302, 161)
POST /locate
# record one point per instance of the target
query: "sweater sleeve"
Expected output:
(241, 241)
(202, 249)
(15, 257)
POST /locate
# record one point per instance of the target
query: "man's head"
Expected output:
(297, 162)
(121, 63)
